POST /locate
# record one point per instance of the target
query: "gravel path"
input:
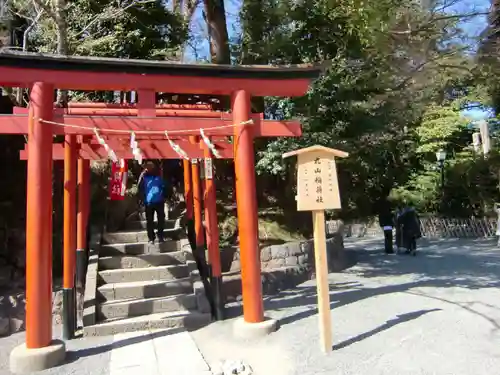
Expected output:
(437, 313)
(434, 314)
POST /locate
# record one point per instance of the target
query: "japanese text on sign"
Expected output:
(208, 169)
(118, 183)
(317, 182)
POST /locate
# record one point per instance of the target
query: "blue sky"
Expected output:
(474, 27)
(477, 24)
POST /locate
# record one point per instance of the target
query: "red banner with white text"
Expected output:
(118, 184)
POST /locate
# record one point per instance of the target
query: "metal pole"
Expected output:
(442, 178)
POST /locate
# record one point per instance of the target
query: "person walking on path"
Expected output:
(409, 228)
(386, 222)
(153, 195)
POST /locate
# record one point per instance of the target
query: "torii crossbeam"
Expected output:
(158, 149)
(85, 125)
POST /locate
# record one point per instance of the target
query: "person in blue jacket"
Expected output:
(152, 193)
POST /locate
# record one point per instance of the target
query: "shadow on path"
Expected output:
(387, 325)
(74, 355)
(469, 264)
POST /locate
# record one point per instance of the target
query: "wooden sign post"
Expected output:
(317, 191)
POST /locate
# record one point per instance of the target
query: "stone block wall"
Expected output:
(284, 265)
(290, 254)
(12, 312)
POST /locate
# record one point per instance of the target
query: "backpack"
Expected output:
(154, 189)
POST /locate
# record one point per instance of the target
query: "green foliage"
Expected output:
(422, 191)
(147, 30)
(471, 187)
(392, 96)
(399, 75)
(105, 28)
(442, 127)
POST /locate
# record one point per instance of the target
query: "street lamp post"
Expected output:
(441, 157)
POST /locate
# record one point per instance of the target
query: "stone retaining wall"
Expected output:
(284, 265)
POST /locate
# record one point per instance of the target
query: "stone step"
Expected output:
(144, 306)
(140, 248)
(178, 319)
(170, 272)
(139, 236)
(144, 289)
(142, 261)
(142, 224)
(141, 216)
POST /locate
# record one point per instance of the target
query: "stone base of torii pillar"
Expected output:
(27, 361)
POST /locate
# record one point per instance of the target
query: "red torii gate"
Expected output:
(153, 148)
(45, 73)
(76, 148)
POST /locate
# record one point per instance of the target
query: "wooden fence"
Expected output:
(431, 226)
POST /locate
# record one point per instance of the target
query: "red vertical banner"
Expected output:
(118, 184)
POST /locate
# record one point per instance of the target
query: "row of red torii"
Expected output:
(96, 131)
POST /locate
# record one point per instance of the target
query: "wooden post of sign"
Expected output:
(317, 191)
(322, 285)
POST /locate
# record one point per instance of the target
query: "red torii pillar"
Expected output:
(246, 202)
(188, 200)
(197, 201)
(212, 236)
(39, 242)
(82, 221)
(188, 189)
(69, 257)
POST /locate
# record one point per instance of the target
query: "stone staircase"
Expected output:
(139, 286)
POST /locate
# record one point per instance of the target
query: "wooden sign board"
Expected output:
(317, 191)
(208, 169)
(317, 185)
(317, 182)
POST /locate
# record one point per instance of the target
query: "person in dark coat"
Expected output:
(408, 224)
(386, 222)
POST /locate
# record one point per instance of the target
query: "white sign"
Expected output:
(208, 169)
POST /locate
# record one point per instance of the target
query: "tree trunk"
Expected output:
(176, 6)
(62, 42)
(217, 31)
(253, 24)
(215, 16)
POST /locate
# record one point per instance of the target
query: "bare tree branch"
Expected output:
(30, 28)
(114, 14)
(430, 21)
(26, 34)
(420, 66)
(46, 8)
(191, 6)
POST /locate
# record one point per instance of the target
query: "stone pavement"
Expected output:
(434, 314)
(158, 352)
(155, 352)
